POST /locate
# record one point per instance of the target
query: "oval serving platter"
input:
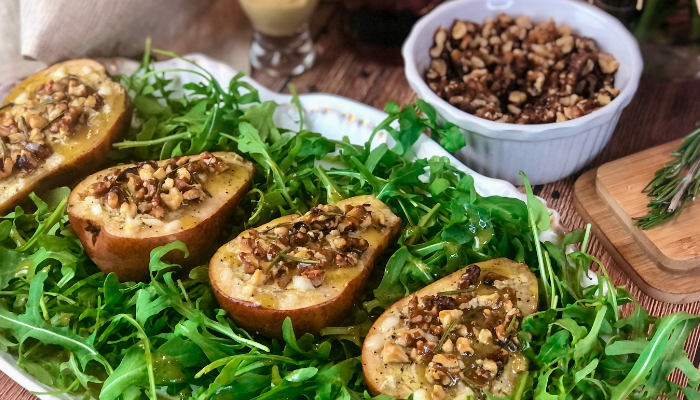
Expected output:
(330, 115)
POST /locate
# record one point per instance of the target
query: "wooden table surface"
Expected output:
(660, 112)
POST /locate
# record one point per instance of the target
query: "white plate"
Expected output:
(333, 116)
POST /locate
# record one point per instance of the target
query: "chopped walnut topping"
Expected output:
(464, 346)
(470, 277)
(148, 188)
(464, 335)
(444, 370)
(50, 115)
(448, 316)
(394, 354)
(516, 71)
(325, 238)
(438, 392)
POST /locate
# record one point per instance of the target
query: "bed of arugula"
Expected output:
(85, 333)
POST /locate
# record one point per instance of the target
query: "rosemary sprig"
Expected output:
(76, 78)
(283, 254)
(332, 214)
(445, 334)
(129, 196)
(23, 128)
(275, 260)
(56, 118)
(271, 238)
(300, 260)
(196, 182)
(675, 184)
(277, 226)
(10, 104)
(511, 326)
(43, 103)
(459, 291)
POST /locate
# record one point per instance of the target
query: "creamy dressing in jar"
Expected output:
(279, 17)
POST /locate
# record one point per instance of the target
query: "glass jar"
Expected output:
(282, 43)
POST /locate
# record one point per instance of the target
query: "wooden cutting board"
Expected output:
(663, 261)
(675, 245)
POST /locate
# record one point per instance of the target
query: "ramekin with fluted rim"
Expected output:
(545, 152)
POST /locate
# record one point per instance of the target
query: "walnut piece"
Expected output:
(515, 71)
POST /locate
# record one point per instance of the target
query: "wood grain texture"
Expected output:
(629, 254)
(660, 112)
(674, 246)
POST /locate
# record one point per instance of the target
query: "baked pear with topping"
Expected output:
(122, 213)
(57, 126)
(454, 338)
(311, 268)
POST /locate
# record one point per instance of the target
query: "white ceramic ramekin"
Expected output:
(546, 152)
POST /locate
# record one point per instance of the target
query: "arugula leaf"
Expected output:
(375, 156)
(131, 372)
(32, 324)
(554, 347)
(452, 138)
(654, 351)
(185, 352)
(250, 142)
(391, 288)
(586, 344)
(10, 264)
(536, 209)
(260, 118)
(156, 264)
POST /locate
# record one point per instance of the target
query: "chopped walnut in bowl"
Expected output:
(513, 70)
(510, 119)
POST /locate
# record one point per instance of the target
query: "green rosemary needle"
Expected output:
(675, 184)
(44, 103)
(456, 292)
(446, 334)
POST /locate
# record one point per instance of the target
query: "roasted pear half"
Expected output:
(57, 126)
(122, 213)
(310, 268)
(454, 338)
